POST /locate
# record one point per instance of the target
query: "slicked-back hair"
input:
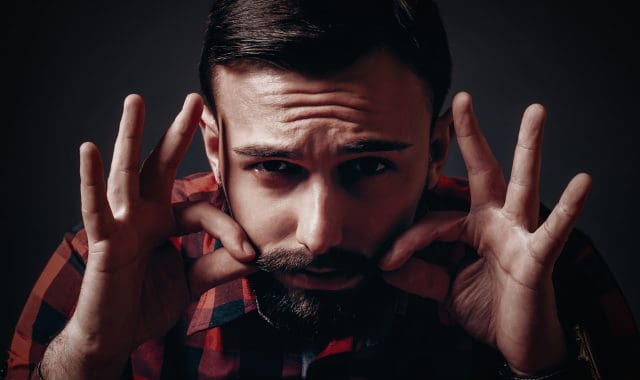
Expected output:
(320, 37)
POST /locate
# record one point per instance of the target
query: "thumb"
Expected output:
(214, 269)
(435, 226)
(420, 278)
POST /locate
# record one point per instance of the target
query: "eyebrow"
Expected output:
(355, 147)
(267, 151)
(368, 146)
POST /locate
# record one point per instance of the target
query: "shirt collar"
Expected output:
(222, 304)
(230, 301)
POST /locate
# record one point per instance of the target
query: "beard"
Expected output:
(315, 316)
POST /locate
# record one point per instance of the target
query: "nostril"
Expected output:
(320, 239)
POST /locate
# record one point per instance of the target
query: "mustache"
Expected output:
(292, 260)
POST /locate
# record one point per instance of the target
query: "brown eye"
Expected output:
(370, 167)
(278, 167)
(363, 168)
(274, 166)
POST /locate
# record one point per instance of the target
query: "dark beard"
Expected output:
(316, 316)
(306, 315)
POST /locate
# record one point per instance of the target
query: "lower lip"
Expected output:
(325, 281)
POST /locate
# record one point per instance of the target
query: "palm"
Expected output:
(142, 288)
(135, 286)
(505, 298)
(164, 294)
(504, 277)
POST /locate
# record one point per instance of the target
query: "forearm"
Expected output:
(69, 357)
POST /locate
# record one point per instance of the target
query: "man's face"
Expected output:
(320, 173)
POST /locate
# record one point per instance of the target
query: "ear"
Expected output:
(210, 135)
(439, 144)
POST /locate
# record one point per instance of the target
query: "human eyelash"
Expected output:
(277, 167)
(370, 166)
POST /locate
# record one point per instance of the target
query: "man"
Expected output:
(326, 241)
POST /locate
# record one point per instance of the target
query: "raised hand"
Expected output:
(506, 297)
(135, 286)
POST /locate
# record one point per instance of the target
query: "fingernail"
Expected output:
(248, 249)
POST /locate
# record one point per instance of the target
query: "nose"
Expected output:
(320, 217)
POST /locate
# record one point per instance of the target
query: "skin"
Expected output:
(290, 181)
(505, 298)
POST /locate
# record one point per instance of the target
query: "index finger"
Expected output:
(198, 216)
(159, 169)
(214, 269)
(486, 181)
(420, 278)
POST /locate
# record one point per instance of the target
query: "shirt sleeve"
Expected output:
(54, 296)
(49, 306)
(597, 320)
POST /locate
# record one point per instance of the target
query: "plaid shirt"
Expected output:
(222, 336)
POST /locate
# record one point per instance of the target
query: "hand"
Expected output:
(135, 287)
(506, 297)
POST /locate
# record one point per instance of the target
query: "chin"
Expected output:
(315, 315)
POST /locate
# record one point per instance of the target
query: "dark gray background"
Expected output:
(70, 66)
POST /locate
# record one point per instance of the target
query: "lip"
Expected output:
(320, 270)
(319, 279)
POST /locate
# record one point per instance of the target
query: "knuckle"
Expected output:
(520, 181)
(488, 169)
(525, 144)
(551, 234)
(128, 170)
(236, 232)
(169, 164)
(565, 211)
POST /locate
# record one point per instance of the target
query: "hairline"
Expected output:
(253, 63)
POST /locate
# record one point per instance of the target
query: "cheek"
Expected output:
(264, 219)
(368, 222)
(374, 227)
(385, 219)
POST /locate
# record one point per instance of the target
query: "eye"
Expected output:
(277, 167)
(361, 168)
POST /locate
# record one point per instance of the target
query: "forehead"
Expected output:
(378, 97)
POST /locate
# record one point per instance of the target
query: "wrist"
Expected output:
(555, 373)
(542, 347)
(541, 360)
(96, 345)
(576, 366)
(71, 355)
(570, 370)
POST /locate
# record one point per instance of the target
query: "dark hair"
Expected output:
(318, 37)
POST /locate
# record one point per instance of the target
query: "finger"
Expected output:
(192, 217)
(214, 269)
(437, 225)
(125, 164)
(96, 213)
(523, 193)
(421, 278)
(548, 240)
(159, 169)
(486, 180)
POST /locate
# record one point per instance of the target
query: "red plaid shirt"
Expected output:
(222, 336)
